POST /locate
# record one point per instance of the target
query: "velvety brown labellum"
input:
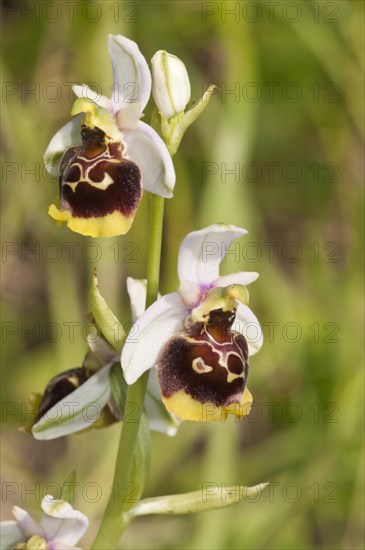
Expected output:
(60, 386)
(209, 361)
(96, 179)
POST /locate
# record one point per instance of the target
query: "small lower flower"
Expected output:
(59, 387)
(82, 398)
(79, 398)
(60, 528)
(200, 337)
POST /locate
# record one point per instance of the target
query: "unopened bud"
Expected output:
(171, 84)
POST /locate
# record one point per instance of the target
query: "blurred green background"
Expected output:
(291, 134)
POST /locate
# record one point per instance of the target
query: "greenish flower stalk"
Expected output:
(154, 252)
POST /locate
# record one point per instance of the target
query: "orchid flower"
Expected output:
(199, 337)
(81, 398)
(106, 154)
(60, 527)
(74, 400)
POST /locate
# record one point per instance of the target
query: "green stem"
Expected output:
(114, 521)
(154, 249)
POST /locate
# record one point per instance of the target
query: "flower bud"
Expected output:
(171, 84)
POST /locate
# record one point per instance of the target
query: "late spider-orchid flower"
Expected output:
(81, 398)
(201, 336)
(59, 528)
(105, 155)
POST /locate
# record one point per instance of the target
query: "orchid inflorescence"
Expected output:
(195, 343)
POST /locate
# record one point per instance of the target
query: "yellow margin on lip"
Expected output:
(110, 225)
(187, 408)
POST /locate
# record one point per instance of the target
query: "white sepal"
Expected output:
(201, 253)
(149, 334)
(149, 152)
(131, 75)
(10, 534)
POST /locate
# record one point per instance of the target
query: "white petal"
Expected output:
(171, 84)
(137, 290)
(160, 420)
(68, 136)
(147, 149)
(247, 324)
(10, 535)
(61, 523)
(76, 411)
(131, 75)
(26, 523)
(102, 350)
(240, 278)
(87, 93)
(202, 251)
(160, 321)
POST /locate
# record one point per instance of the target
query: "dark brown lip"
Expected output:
(83, 171)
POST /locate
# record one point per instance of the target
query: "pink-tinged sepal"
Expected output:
(100, 187)
(203, 370)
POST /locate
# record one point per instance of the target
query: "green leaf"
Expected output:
(188, 119)
(210, 497)
(107, 322)
(68, 487)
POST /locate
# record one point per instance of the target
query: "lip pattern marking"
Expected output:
(97, 179)
(208, 361)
